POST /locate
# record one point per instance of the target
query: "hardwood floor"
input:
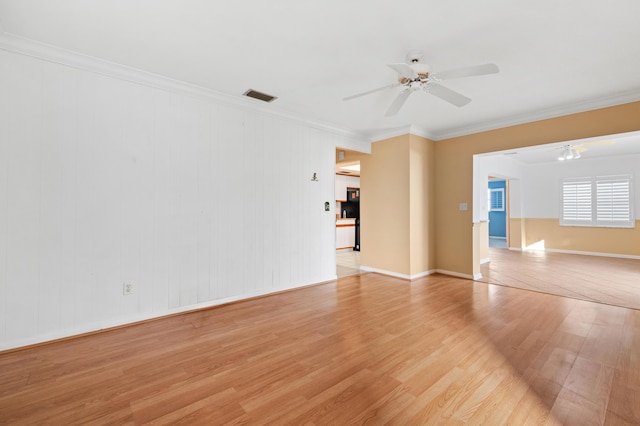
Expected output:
(347, 263)
(367, 349)
(609, 280)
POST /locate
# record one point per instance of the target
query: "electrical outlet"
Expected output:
(127, 289)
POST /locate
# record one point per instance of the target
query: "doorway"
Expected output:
(498, 213)
(347, 198)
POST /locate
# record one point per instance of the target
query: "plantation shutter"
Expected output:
(613, 206)
(577, 202)
(496, 199)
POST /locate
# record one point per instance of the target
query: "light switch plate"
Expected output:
(463, 207)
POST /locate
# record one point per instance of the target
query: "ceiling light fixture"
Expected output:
(568, 152)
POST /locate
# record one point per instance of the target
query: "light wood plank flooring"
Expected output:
(607, 280)
(347, 263)
(366, 349)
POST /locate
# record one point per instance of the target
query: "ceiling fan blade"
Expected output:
(447, 94)
(594, 143)
(404, 70)
(467, 72)
(397, 103)
(389, 86)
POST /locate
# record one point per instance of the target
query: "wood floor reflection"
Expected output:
(365, 349)
(609, 280)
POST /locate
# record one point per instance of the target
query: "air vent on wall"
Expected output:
(259, 95)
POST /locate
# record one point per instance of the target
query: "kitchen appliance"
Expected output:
(352, 208)
(353, 194)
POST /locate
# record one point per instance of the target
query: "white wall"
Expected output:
(535, 188)
(105, 181)
(496, 165)
(541, 182)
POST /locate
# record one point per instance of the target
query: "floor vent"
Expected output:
(259, 95)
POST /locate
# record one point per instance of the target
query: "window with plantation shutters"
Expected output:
(576, 202)
(496, 199)
(614, 204)
(604, 201)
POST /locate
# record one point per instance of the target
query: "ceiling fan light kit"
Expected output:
(415, 75)
(569, 152)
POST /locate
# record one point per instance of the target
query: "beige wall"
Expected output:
(456, 246)
(397, 206)
(483, 238)
(349, 156)
(421, 208)
(620, 241)
(384, 201)
(516, 233)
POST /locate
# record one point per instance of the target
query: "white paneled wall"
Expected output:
(105, 181)
(4, 195)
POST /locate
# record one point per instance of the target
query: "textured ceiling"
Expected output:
(554, 57)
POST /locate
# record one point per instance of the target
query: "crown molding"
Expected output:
(16, 44)
(383, 134)
(27, 47)
(423, 133)
(401, 131)
(543, 114)
(529, 117)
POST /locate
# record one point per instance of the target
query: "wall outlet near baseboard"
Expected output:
(127, 289)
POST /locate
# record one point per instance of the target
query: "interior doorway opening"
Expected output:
(498, 212)
(348, 212)
(544, 254)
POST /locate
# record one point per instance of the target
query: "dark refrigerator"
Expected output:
(352, 207)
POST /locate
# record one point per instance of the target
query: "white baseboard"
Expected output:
(586, 253)
(422, 274)
(456, 274)
(485, 260)
(396, 274)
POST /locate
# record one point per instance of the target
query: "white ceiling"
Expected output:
(620, 145)
(554, 56)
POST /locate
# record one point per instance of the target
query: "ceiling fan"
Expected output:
(415, 75)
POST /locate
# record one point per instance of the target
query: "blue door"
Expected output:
(497, 209)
